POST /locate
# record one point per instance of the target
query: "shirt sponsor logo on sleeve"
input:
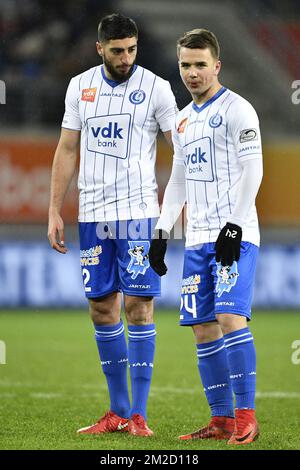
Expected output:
(250, 148)
(248, 134)
(88, 94)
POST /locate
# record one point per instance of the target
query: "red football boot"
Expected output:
(137, 426)
(219, 427)
(246, 427)
(110, 422)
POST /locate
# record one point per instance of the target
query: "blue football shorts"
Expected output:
(209, 289)
(114, 258)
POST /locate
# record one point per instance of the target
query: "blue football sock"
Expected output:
(114, 359)
(214, 373)
(242, 365)
(141, 347)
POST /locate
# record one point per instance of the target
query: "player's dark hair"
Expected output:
(116, 26)
(200, 39)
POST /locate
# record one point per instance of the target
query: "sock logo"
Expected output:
(121, 361)
(236, 376)
(213, 387)
(141, 364)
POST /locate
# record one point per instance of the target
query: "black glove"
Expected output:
(228, 244)
(157, 252)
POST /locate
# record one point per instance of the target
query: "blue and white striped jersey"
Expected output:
(119, 123)
(211, 141)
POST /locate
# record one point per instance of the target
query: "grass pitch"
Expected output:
(52, 384)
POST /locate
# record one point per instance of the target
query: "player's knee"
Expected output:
(139, 311)
(104, 311)
(207, 332)
(100, 315)
(231, 322)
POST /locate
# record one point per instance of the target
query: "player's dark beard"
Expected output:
(118, 77)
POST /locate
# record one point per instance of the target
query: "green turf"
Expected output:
(52, 384)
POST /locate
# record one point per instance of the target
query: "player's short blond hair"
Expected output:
(200, 39)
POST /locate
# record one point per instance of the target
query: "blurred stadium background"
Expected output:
(45, 43)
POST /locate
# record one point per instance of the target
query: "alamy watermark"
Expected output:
(296, 94)
(2, 352)
(2, 92)
(295, 358)
(139, 229)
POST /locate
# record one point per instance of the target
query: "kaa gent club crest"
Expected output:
(139, 262)
(227, 278)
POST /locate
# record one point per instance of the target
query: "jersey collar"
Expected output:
(198, 109)
(114, 83)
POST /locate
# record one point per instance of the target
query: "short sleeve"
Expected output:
(71, 119)
(244, 128)
(166, 107)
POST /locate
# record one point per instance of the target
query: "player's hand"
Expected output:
(157, 252)
(56, 232)
(228, 244)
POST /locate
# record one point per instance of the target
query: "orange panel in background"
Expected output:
(278, 202)
(25, 168)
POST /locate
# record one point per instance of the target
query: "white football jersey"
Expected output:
(119, 123)
(211, 140)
